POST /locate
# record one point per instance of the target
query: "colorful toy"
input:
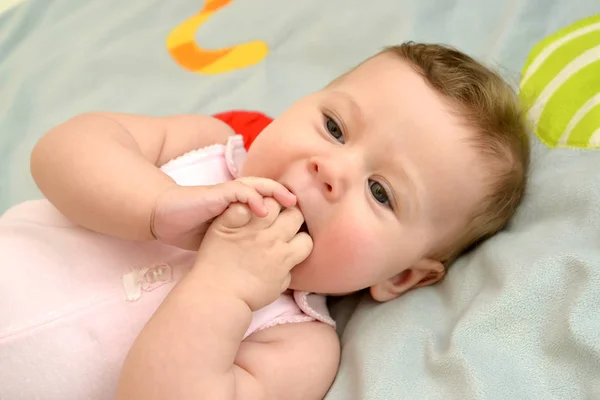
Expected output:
(246, 123)
(184, 50)
(560, 86)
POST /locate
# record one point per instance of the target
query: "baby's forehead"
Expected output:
(380, 67)
(393, 102)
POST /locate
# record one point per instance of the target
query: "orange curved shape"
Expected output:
(215, 5)
(184, 50)
(192, 59)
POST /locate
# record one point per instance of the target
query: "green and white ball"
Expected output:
(560, 86)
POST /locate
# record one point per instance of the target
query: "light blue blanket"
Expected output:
(516, 319)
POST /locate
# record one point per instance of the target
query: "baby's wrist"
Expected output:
(153, 208)
(227, 314)
(231, 283)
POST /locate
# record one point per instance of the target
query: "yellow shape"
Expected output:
(189, 55)
(239, 57)
(184, 33)
(560, 86)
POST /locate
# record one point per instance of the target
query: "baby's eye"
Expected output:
(334, 129)
(379, 193)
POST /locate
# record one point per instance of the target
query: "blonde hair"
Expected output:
(489, 106)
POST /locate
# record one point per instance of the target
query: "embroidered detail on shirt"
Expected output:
(146, 279)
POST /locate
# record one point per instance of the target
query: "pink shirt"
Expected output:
(73, 301)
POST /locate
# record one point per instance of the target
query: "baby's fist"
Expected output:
(253, 256)
(182, 214)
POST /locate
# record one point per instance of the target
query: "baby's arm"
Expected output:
(191, 349)
(192, 346)
(101, 169)
(293, 361)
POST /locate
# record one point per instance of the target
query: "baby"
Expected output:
(202, 274)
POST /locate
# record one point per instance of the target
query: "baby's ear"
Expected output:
(425, 272)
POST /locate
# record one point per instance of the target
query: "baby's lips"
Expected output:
(285, 185)
(304, 226)
(290, 190)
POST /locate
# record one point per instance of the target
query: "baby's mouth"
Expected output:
(304, 228)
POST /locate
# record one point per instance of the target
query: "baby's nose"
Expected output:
(330, 176)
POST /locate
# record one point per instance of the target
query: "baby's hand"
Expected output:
(252, 257)
(182, 214)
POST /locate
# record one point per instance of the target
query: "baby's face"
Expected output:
(383, 174)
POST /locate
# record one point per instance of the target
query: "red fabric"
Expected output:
(246, 123)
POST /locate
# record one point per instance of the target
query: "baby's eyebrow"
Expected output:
(350, 105)
(406, 187)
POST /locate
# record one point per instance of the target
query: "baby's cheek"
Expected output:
(347, 256)
(349, 240)
(352, 254)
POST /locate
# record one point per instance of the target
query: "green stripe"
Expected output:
(567, 99)
(540, 46)
(558, 61)
(582, 132)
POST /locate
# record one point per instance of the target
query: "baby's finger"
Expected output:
(288, 223)
(301, 247)
(257, 205)
(286, 282)
(236, 216)
(270, 188)
(273, 210)
(239, 192)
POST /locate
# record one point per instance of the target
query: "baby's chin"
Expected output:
(305, 279)
(303, 282)
(303, 287)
